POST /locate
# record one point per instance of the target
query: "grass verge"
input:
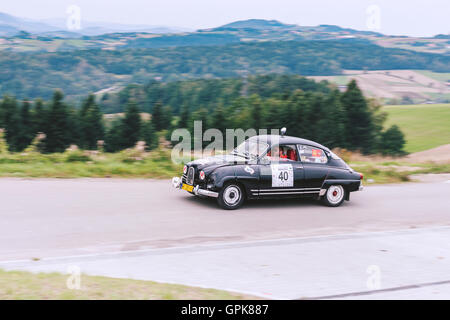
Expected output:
(158, 165)
(78, 164)
(19, 285)
(395, 172)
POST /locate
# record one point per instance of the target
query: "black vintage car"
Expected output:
(271, 166)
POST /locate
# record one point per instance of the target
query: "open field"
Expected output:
(392, 85)
(18, 285)
(425, 126)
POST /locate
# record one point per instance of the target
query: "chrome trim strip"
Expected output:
(289, 189)
(203, 192)
(297, 192)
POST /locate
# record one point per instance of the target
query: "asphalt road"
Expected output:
(145, 229)
(44, 218)
(408, 264)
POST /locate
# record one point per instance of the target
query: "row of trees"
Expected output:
(63, 125)
(335, 119)
(346, 120)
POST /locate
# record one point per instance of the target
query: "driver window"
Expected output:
(282, 153)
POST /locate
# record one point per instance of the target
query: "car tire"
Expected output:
(334, 196)
(231, 197)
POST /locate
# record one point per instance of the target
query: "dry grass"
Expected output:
(18, 285)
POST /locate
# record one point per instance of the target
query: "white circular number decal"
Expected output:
(282, 175)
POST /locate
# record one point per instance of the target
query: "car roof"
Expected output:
(277, 139)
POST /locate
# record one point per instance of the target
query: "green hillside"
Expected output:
(425, 126)
(79, 72)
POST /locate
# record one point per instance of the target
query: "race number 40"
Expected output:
(282, 175)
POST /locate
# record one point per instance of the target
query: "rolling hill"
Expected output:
(79, 64)
(51, 38)
(82, 71)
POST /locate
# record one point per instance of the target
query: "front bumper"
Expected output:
(177, 183)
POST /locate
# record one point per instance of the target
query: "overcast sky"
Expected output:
(400, 17)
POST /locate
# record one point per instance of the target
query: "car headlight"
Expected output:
(202, 175)
(185, 169)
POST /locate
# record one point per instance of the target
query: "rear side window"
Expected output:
(312, 154)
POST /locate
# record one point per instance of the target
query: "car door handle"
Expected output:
(298, 167)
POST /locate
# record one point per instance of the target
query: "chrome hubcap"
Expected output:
(232, 195)
(335, 194)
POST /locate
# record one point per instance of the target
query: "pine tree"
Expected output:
(200, 115)
(131, 125)
(184, 117)
(157, 116)
(91, 124)
(39, 116)
(332, 127)
(26, 133)
(392, 142)
(256, 112)
(57, 127)
(10, 120)
(288, 117)
(113, 137)
(272, 117)
(313, 113)
(167, 118)
(358, 123)
(301, 107)
(219, 120)
(149, 135)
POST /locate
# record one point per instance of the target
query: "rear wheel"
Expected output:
(231, 197)
(334, 196)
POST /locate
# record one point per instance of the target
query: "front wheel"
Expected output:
(231, 197)
(334, 196)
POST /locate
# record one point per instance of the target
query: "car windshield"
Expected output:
(251, 149)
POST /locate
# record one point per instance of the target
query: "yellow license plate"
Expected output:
(187, 187)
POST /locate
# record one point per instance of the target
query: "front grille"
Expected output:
(190, 176)
(183, 178)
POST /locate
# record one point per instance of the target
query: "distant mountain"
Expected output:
(10, 26)
(275, 25)
(8, 31)
(94, 28)
(442, 36)
(254, 24)
(52, 35)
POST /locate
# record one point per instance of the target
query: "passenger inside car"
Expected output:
(282, 153)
